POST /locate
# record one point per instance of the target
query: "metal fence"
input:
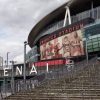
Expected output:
(55, 73)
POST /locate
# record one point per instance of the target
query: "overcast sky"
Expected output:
(17, 18)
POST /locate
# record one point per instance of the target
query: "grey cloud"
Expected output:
(17, 17)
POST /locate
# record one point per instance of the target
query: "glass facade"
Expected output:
(32, 55)
(93, 41)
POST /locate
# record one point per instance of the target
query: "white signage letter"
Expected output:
(18, 70)
(5, 71)
(47, 68)
(33, 70)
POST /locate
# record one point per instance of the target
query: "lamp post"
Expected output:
(7, 58)
(87, 38)
(1, 61)
(25, 43)
(86, 51)
(12, 77)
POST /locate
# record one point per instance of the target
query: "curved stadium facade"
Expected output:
(48, 36)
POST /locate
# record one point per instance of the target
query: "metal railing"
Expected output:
(58, 73)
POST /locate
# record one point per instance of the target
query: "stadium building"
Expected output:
(69, 33)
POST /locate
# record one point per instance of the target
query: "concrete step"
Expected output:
(60, 97)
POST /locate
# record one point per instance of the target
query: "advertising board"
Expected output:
(65, 46)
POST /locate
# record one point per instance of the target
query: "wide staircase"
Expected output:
(83, 84)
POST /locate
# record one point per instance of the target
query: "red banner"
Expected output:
(50, 63)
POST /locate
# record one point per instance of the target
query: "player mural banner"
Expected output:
(68, 45)
(66, 42)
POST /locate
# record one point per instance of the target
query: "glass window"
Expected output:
(91, 50)
(96, 49)
(89, 47)
(89, 41)
(95, 39)
(95, 46)
(99, 44)
(94, 43)
(98, 38)
(95, 13)
(89, 44)
(98, 41)
(98, 12)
